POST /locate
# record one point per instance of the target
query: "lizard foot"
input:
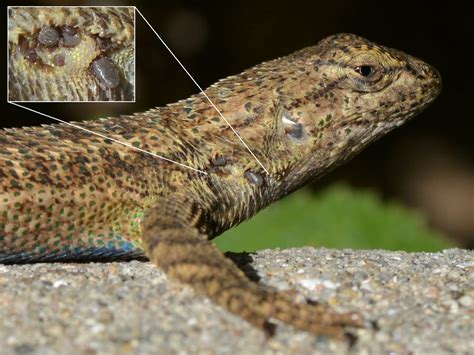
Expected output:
(319, 319)
(187, 255)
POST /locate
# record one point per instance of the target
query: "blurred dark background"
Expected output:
(427, 164)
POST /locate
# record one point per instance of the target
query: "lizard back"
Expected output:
(67, 194)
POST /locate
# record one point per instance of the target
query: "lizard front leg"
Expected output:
(174, 243)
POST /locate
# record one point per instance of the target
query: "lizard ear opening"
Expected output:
(294, 130)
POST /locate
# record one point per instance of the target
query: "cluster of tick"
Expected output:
(51, 38)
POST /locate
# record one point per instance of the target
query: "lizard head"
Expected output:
(352, 93)
(375, 83)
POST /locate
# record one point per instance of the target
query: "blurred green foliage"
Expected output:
(337, 217)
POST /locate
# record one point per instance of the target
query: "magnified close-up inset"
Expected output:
(71, 54)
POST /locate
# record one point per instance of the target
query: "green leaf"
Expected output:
(337, 217)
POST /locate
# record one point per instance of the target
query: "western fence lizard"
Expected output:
(71, 53)
(69, 195)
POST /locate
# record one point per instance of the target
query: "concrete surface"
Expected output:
(422, 303)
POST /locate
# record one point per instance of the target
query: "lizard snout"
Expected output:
(436, 77)
(428, 75)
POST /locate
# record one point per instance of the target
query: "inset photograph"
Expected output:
(71, 54)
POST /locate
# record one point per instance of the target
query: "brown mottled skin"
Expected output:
(65, 71)
(302, 115)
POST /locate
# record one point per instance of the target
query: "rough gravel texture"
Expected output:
(421, 302)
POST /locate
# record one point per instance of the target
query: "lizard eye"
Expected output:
(364, 70)
(367, 73)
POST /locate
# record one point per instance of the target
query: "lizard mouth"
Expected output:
(392, 113)
(396, 112)
(369, 125)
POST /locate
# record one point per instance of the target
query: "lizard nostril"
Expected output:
(437, 79)
(425, 72)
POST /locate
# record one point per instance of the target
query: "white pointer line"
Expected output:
(104, 136)
(202, 91)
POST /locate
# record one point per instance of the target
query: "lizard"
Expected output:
(71, 53)
(69, 195)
